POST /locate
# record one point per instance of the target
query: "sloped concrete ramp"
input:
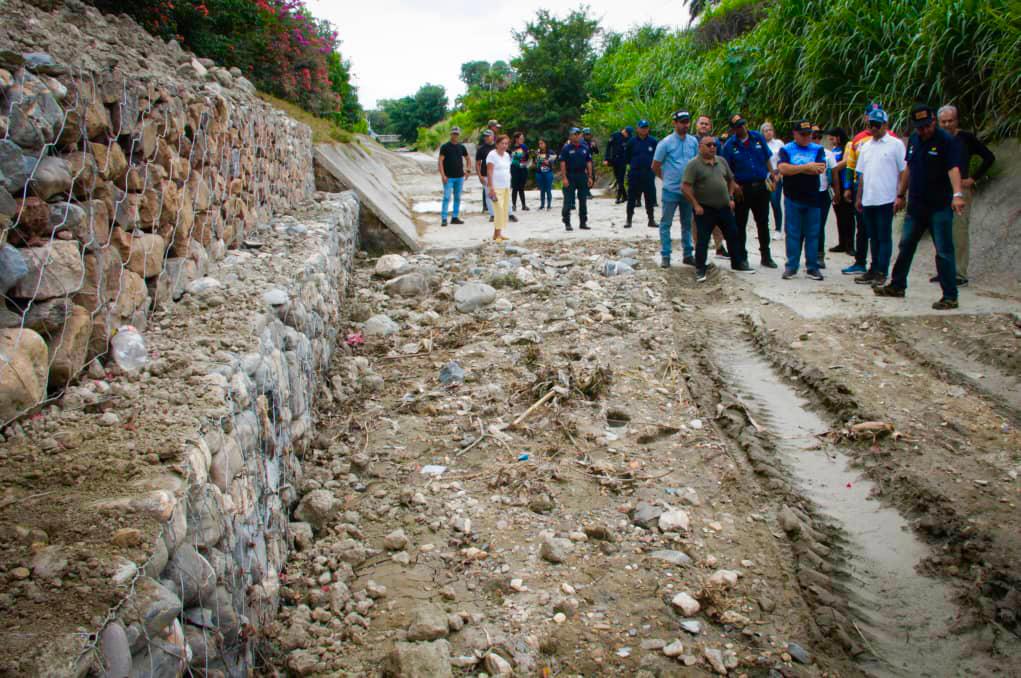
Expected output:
(369, 172)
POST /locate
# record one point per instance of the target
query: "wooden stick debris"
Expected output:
(538, 403)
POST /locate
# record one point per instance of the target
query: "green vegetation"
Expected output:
(825, 60)
(406, 115)
(277, 44)
(324, 130)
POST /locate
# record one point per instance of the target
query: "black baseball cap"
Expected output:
(737, 121)
(802, 126)
(682, 115)
(921, 115)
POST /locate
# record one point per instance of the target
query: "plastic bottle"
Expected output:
(129, 350)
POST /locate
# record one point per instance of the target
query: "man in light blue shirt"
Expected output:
(671, 157)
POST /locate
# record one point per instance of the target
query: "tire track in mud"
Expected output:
(858, 593)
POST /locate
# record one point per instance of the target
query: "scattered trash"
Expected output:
(695, 424)
(614, 268)
(354, 339)
(624, 652)
(433, 470)
(522, 457)
(452, 373)
(129, 349)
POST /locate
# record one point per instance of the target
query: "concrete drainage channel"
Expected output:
(856, 557)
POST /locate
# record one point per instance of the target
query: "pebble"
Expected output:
(560, 617)
(674, 520)
(21, 573)
(686, 603)
(692, 626)
(715, 659)
(799, 654)
(555, 550)
(723, 578)
(674, 649)
(109, 419)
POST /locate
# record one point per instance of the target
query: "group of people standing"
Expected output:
(719, 183)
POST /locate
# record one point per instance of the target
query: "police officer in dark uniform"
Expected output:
(576, 177)
(641, 180)
(615, 152)
(590, 141)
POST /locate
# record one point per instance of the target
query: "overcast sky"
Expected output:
(396, 46)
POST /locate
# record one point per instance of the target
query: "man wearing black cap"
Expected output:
(590, 141)
(641, 181)
(481, 153)
(671, 157)
(576, 177)
(454, 164)
(801, 163)
(932, 182)
(615, 151)
(748, 154)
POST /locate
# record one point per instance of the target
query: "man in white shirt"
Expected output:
(880, 165)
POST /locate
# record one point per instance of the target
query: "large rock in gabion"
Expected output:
(70, 347)
(54, 270)
(23, 370)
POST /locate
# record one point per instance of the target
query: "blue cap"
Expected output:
(573, 130)
(878, 115)
(586, 130)
(629, 129)
(643, 123)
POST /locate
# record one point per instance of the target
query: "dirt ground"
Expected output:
(542, 543)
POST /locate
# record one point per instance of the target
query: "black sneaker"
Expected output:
(455, 220)
(814, 274)
(934, 279)
(743, 267)
(838, 248)
(788, 274)
(585, 227)
(767, 262)
(524, 209)
(700, 276)
(665, 263)
(567, 227)
(513, 218)
(945, 304)
(491, 219)
(866, 278)
(721, 253)
(688, 261)
(627, 224)
(962, 281)
(888, 291)
(443, 222)
(879, 281)
(653, 224)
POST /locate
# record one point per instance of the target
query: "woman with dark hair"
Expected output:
(842, 208)
(545, 162)
(519, 170)
(498, 181)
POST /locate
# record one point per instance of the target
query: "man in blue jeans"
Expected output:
(933, 185)
(672, 155)
(881, 164)
(801, 163)
(454, 165)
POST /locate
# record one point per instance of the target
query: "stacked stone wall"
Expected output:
(126, 166)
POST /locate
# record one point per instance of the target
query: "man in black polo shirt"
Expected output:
(453, 164)
(932, 182)
(969, 145)
(615, 150)
(485, 146)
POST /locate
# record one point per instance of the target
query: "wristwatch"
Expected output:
(958, 195)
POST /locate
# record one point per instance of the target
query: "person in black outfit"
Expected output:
(969, 146)
(615, 157)
(641, 180)
(519, 170)
(748, 155)
(932, 183)
(481, 153)
(842, 208)
(576, 175)
(452, 161)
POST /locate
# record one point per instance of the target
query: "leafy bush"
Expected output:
(277, 44)
(825, 60)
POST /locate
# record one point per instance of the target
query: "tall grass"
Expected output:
(825, 60)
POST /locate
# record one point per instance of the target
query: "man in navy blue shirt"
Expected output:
(641, 181)
(576, 177)
(747, 152)
(932, 182)
(615, 151)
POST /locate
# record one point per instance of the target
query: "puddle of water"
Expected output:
(905, 616)
(427, 207)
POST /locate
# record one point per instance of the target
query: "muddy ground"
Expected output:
(835, 493)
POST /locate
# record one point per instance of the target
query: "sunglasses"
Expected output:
(710, 143)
